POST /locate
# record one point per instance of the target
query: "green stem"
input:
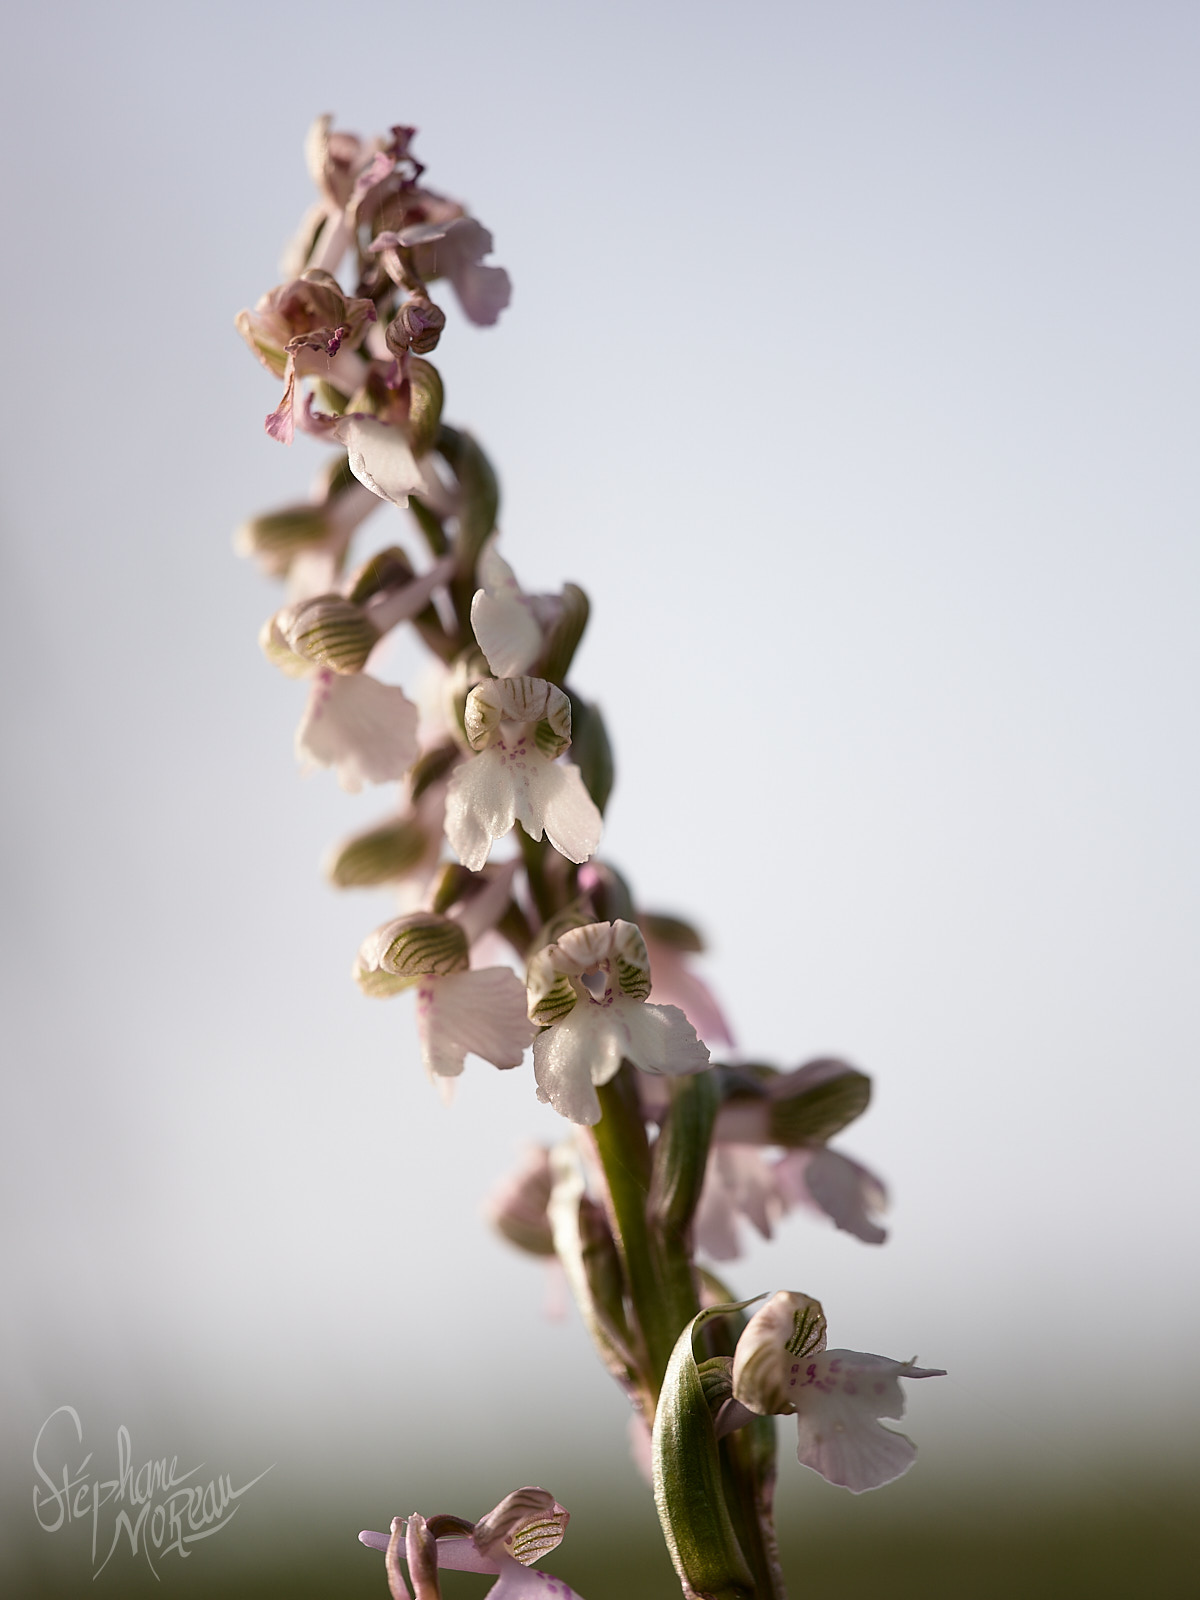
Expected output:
(657, 1269)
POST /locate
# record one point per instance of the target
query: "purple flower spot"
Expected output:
(792, 1381)
(796, 1368)
(811, 1369)
(835, 1366)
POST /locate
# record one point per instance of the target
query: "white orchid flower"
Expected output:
(519, 726)
(781, 1367)
(591, 987)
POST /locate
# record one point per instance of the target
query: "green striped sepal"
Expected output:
(527, 1524)
(377, 855)
(776, 1340)
(426, 395)
(420, 945)
(551, 993)
(389, 568)
(330, 632)
(277, 536)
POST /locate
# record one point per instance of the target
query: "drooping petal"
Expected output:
(660, 1038)
(556, 799)
(364, 728)
(483, 292)
(480, 806)
(738, 1181)
(839, 1397)
(482, 1012)
(379, 457)
(845, 1191)
(528, 1583)
(581, 1050)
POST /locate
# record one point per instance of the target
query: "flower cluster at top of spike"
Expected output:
(512, 933)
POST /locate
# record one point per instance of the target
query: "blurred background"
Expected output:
(851, 368)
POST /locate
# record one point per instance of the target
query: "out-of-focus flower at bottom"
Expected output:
(524, 1526)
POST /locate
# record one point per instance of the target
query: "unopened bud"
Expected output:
(565, 633)
(386, 570)
(426, 397)
(417, 326)
(672, 931)
(275, 537)
(518, 1209)
(377, 855)
(331, 631)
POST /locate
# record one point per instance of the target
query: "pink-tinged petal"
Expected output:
(568, 813)
(527, 1583)
(844, 1190)
(482, 1012)
(364, 728)
(479, 806)
(660, 1038)
(456, 1554)
(570, 1057)
(483, 292)
(839, 1396)
(281, 423)
(675, 983)
(737, 1181)
(379, 457)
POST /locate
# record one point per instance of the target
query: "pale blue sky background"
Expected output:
(851, 368)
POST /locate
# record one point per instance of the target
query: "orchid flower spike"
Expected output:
(781, 1367)
(523, 1527)
(519, 727)
(590, 989)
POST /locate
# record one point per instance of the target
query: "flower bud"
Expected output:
(377, 855)
(387, 569)
(565, 633)
(426, 396)
(672, 931)
(330, 631)
(417, 326)
(519, 1208)
(277, 536)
